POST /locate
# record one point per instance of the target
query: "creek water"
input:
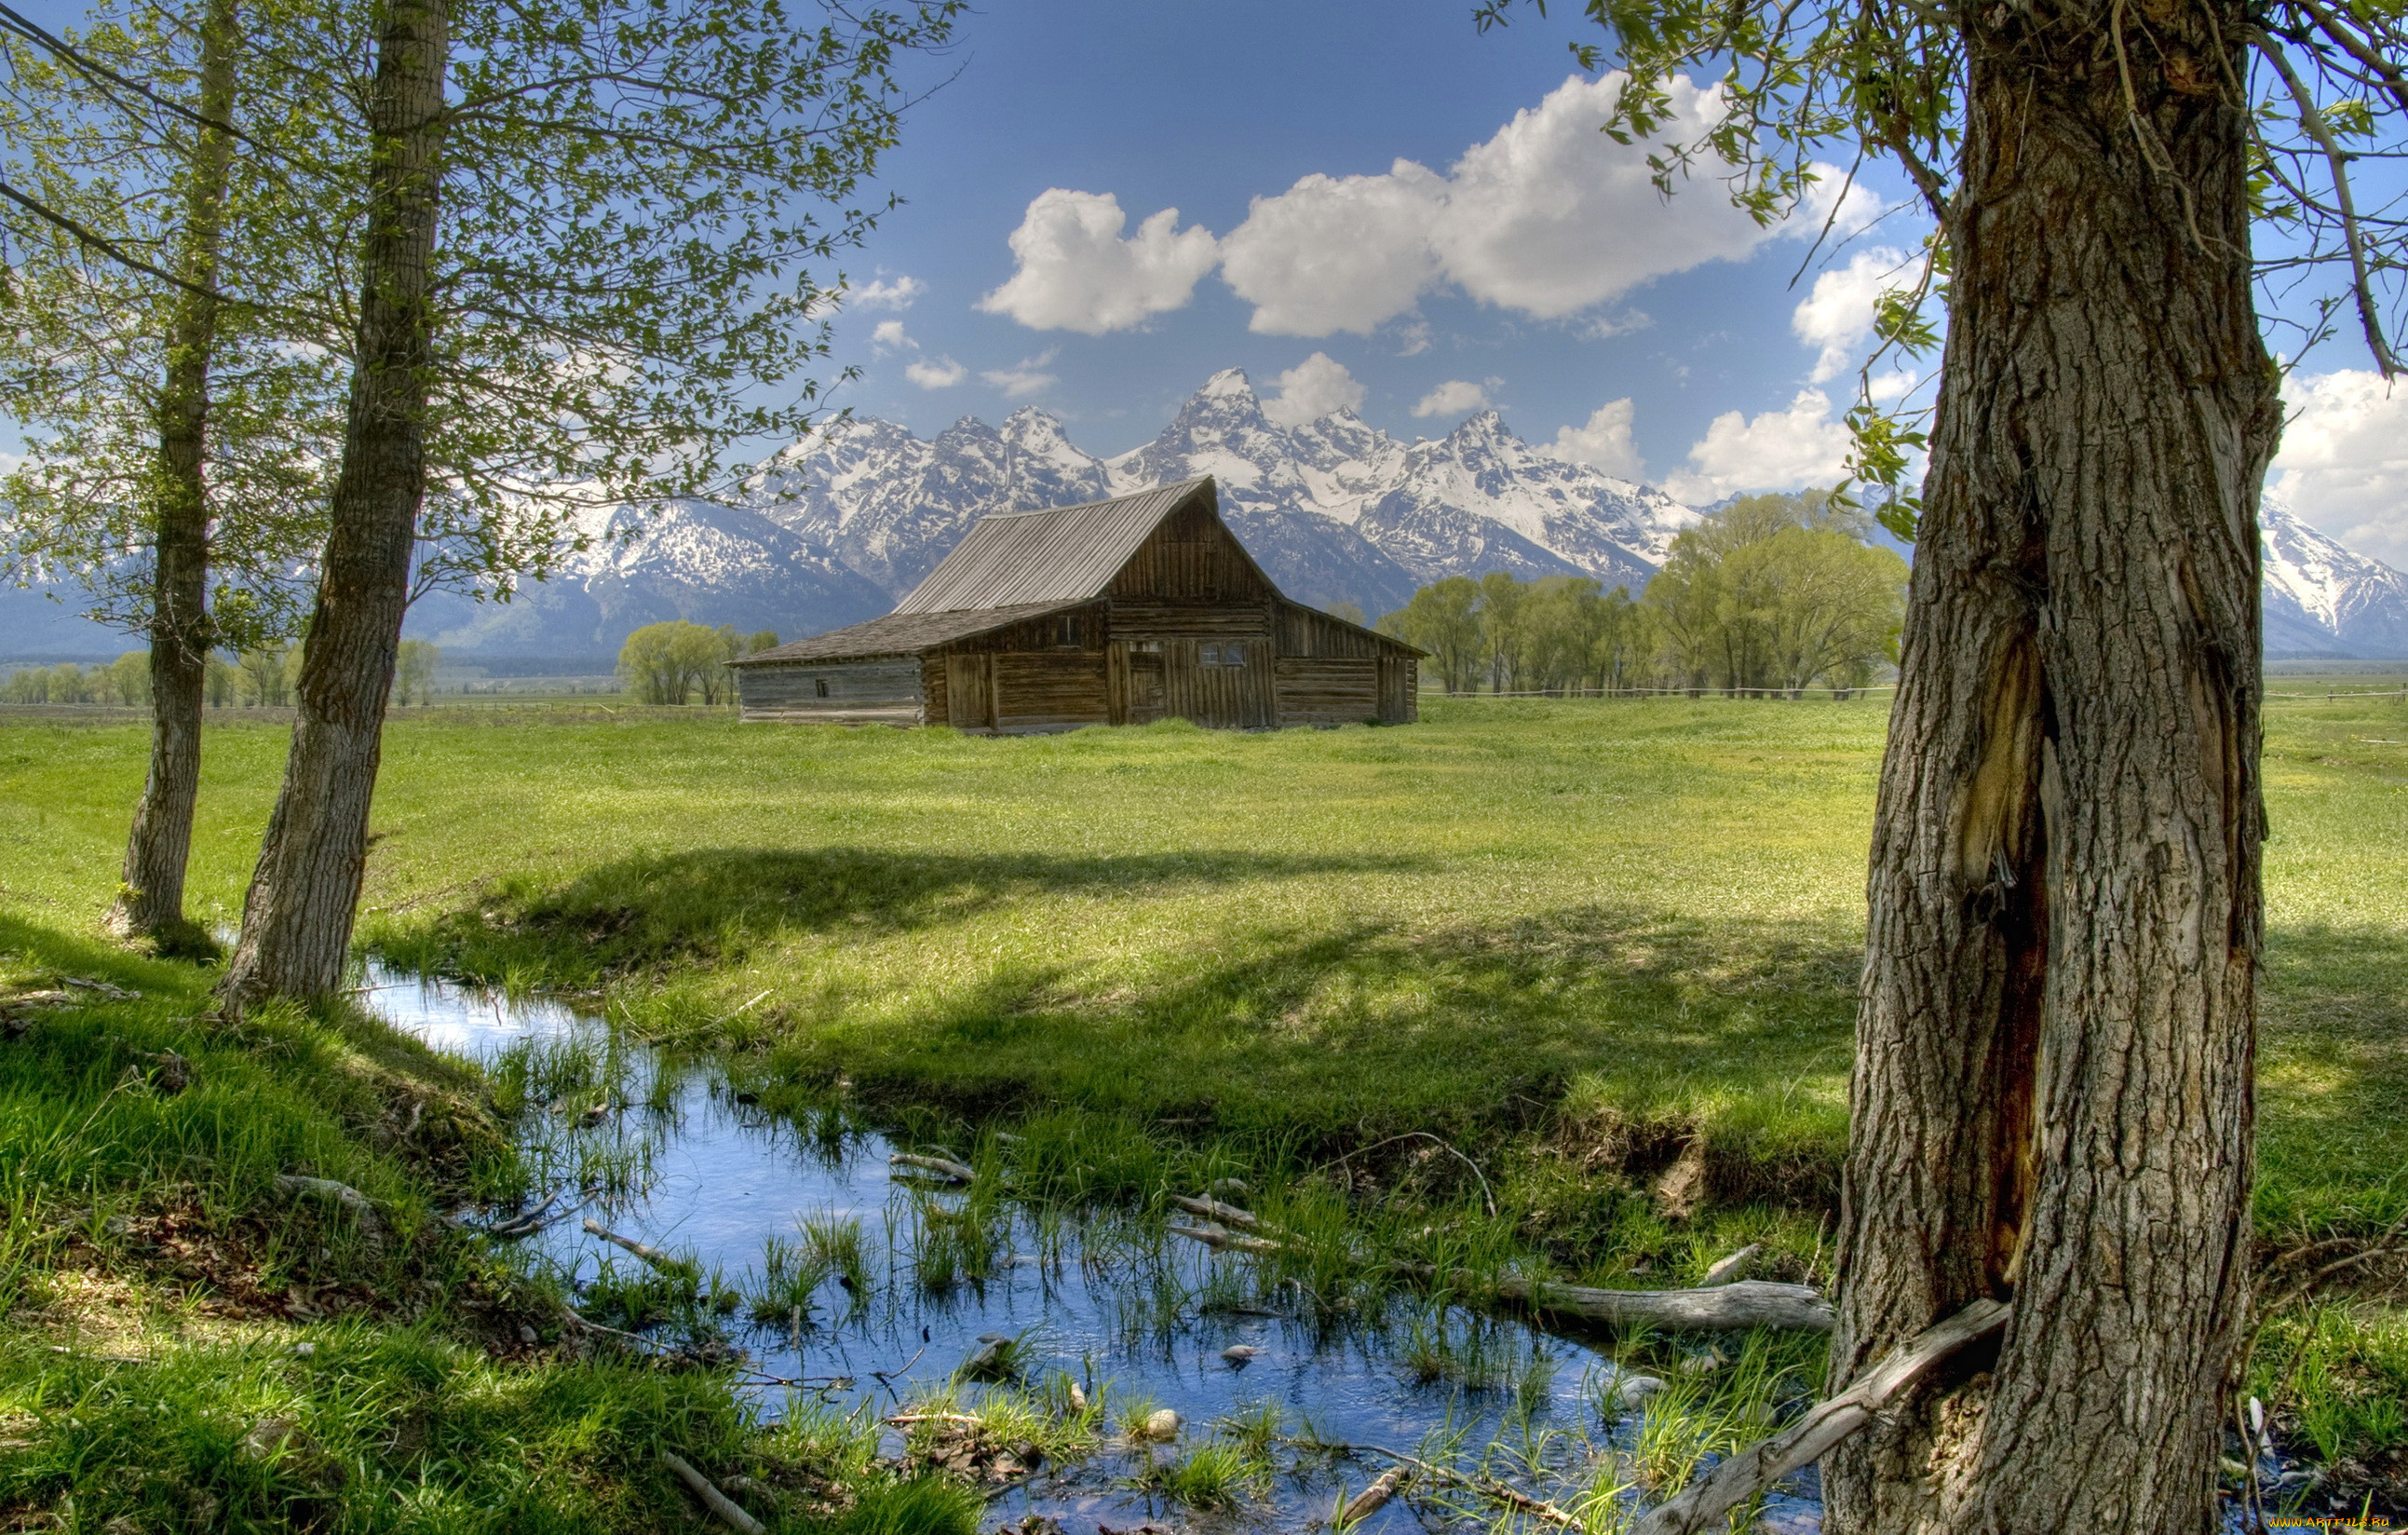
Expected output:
(712, 1180)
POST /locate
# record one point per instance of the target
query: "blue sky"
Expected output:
(1537, 270)
(1204, 109)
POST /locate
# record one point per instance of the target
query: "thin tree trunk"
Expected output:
(296, 921)
(2052, 1101)
(151, 902)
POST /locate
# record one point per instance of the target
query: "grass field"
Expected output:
(1607, 949)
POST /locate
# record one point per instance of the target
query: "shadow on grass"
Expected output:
(1630, 1038)
(715, 903)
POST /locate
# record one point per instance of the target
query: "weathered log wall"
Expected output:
(883, 692)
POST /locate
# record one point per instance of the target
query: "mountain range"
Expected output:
(834, 529)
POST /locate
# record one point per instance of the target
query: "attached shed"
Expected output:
(1124, 612)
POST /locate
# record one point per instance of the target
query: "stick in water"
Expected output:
(936, 1165)
(651, 1255)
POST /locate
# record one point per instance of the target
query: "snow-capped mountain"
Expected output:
(1335, 509)
(833, 529)
(2322, 599)
(695, 560)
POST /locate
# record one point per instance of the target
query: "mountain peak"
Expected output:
(1229, 383)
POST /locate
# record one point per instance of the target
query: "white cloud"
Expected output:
(1848, 206)
(1548, 217)
(941, 374)
(1603, 442)
(889, 336)
(2343, 464)
(1074, 272)
(1838, 316)
(1313, 389)
(1777, 450)
(1336, 255)
(1454, 398)
(882, 294)
(1022, 378)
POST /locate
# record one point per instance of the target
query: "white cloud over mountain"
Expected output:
(1603, 442)
(2343, 464)
(1313, 389)
(1454, 398)
(1023, 377)
(1547, 218)
(941, 374)
(1076, 273)
(1774, 451)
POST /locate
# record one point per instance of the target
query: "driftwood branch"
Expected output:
(1487, 1486)
(942, 1167)
(1222, 1240)
(650, 1254)
(712, 1499)
(1731, 1267)
(1213, 1210)
(1371, 1499)
(1747, 1303)
(1761, 1465)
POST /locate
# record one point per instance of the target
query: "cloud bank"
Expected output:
(1547, 218)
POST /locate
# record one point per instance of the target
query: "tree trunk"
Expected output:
(2051, 1099)
(296, 921)
(151, 902)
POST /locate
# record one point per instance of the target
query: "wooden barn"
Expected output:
(1118, 612)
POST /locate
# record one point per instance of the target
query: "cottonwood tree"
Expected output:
(585, 267)
(171, 468)
(2052, 1094)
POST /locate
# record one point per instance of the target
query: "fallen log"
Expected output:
(1747, 1303)
(1371, 1499)
(363, 1210)
(1752, 1471)
(1213, 1210)
(954, 1171)
(650, 1254)
(1222, 1240)
(712, 1499)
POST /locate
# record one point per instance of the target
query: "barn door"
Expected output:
(1138, 682)
(969, 692)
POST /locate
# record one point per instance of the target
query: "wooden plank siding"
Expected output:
(1119, 613)
(881, 692)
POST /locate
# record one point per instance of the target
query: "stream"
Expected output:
(757, 1203)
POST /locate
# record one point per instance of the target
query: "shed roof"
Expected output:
(1067, 555)
(899, 634)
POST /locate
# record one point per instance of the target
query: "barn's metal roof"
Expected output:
(899, 634)
(1069, 554)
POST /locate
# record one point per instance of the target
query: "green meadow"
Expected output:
(1606, 951)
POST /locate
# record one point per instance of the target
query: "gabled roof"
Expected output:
(1069, 554)
(899, 634)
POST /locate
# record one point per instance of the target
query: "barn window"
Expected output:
(819, 686)
(1066, 633)
(1230, 653)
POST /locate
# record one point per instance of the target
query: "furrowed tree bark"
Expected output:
(296, 921)
(2051, 1098)
(151, 902)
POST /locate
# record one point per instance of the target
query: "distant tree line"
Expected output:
(263, 676)
(1774, 595)
(671, 663)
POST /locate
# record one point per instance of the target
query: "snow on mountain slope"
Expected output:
(2322, 599)
(1336, 510)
